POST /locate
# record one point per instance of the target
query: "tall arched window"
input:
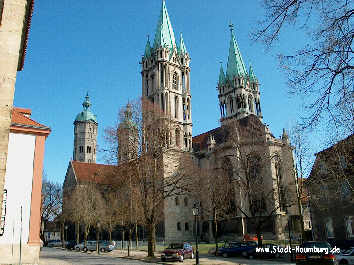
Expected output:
(174, 81)
(178, 138)
(176, 107)
(162, 73)
(185, 141)
(162, 102)
(147, 85)
(188, 109)
(231, 102)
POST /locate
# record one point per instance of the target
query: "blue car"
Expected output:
(236, 248)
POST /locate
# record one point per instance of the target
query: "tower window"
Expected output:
(88, 149)
(176, 107)
(174, 81)
(178, 226)
(185, 201)
(183, 80)
(185, 140)
(177, 201)
(186, 226)
(81, 149)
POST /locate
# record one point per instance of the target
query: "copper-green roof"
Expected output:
(222, 77)
(164, 36)
(128, 122)
(182, 47)
(235, 64)
(147, 49)
(86, 114)
(251, 75)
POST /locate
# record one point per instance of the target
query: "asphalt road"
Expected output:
(55, 256)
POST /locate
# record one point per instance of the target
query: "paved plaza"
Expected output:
(57, 256)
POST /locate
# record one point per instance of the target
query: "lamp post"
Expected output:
(66, 233)
(195, 211)
(98, 237)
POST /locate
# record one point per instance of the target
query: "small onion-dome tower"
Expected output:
(85, 134)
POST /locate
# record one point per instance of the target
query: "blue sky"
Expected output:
(95, 46)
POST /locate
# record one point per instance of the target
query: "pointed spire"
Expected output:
(86, 104)
(235, 64)
(251, 75)
(222, 77)
(164, 35)
(182, 47)
(147, 49)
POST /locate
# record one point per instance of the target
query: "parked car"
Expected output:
(90, 246)
(346, 256)
(308, 257)
(267, 251)
(237, 248)
(343, 244)
(70, 244)
(54, 243)
(178, 251)
(106, 246)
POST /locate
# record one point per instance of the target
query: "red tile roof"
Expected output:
(98, 173)
(18, 119)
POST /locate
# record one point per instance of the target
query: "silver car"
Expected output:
(90, 245)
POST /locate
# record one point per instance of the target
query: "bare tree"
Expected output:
(52, 202)
(259, 198)
(151, 176)
(322, 71)
(86, 206)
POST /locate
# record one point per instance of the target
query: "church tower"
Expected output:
(128, 142)
(166, 80)
(238, 89)
(85, 134)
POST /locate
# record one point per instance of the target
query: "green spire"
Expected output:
(235, 64)
(251, 75)
(128, 118)
(86, 114)
(222, 77)
(164, 35)
(182, 47)
(147, 49)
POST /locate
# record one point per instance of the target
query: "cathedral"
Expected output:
(166, 82)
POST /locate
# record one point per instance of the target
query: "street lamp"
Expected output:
(98, 237)
(66, 233)
(195, 211)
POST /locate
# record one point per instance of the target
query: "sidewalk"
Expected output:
(204, 259)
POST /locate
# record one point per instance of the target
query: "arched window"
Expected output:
(186, 226)
(186, 201)
(81, 149)
(174, 81)
(178, 136)
(231, 102)
(176, 107)
(176, 201)
(88, 149)
(162, 102)
(162, 73)
(188, 109)
(185, 141)
(250, 103)
(147, 85)
(178, 226)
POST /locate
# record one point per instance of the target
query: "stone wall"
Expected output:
(11, 36)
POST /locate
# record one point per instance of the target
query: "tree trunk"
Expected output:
(123, 232)
(77, 228)
(62, 234)
(130, 240)
(110, 235)
(151, 240)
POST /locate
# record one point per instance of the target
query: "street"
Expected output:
(55, 256)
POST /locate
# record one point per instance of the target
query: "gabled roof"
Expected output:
(235, 64)
(164, 36)
(147, 49)
(244, 126)
(20, 120)
(87, 172)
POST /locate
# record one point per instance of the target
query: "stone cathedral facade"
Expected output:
(166, 82)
